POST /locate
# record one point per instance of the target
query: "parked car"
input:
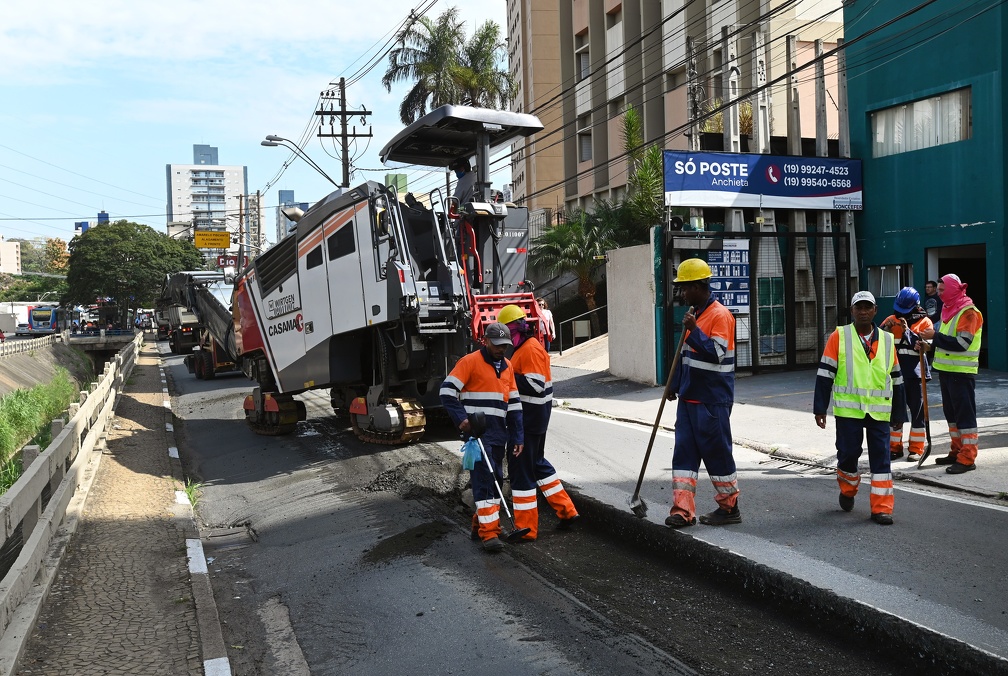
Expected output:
(22, 330)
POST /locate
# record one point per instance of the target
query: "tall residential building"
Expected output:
(10, 257)
(615, 53)
(537, 168)
(284, 224)
(202, 195)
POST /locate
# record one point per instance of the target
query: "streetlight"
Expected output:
(273, 141)
(42, 296)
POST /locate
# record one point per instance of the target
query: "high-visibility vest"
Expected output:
(959, 362)
(863, 386)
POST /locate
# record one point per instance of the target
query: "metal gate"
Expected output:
(787, 290)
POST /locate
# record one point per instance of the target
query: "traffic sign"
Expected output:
(212, 239)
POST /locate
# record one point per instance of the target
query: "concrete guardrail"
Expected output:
(60, 467)
(18, 346)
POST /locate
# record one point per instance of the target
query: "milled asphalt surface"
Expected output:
(132, 595)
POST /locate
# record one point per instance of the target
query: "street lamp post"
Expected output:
(272, 141)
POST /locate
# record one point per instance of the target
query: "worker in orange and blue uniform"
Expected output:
(483, 381)
(906, 324)
(860, 370)
(529, 469)
(705, 385)
(957, 358)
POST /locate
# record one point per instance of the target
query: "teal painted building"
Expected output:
(927, 104)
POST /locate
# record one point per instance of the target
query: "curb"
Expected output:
(215, 659)
(777, 453)
(931, 651)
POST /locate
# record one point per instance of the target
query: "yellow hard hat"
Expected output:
(692, 270)
(509, 313)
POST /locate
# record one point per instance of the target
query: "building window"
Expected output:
(770, 306)
(582, 62)
(885, 281)
(934, 121)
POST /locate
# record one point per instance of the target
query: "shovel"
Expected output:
(636, 502)
(927, 416)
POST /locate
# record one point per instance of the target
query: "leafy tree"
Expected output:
(575, 245)
(445, 68)
(29, 288)
(31, 257)
(125, 262)
(55, 256)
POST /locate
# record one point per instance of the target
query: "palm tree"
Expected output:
(646, 182)
(446, 68)
(575, 245)
(484, 85)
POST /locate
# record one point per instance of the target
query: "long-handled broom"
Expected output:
(636, 502)
(516, 533)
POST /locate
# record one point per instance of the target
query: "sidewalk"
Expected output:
(773, 414)
(124, 600)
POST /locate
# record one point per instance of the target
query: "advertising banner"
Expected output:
(745, 180)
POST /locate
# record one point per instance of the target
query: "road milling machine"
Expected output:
(376, 296)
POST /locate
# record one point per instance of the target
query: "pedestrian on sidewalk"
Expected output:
(933, 307)
(705, 386)
(484, 381)
(549, 328)
(529, 468)
(908, 320)
(860, 370)
(956, 358)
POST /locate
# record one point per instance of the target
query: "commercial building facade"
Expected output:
(616, 53)
(927, 119)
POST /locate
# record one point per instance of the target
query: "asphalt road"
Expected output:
(327, 557)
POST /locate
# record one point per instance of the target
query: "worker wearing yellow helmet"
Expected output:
(529, 469)
(705, 385)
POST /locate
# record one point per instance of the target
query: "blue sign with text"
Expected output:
(745, 180)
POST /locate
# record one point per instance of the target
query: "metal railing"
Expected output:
(570, 321)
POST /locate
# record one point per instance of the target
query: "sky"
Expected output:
(99, 96)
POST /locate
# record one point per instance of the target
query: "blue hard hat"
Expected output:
(907, 300)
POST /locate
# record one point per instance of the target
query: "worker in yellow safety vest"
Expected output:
(859, 369)
(956, 358)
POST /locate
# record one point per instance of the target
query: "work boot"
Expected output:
(896, 455)
(722, 517)
(567, 524)
(846, 502)
(882, 519)
(493, 545)
(913, 457)
(679, 521)
(959, 468)
(945, 460)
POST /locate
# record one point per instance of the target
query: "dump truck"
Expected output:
(207, 296)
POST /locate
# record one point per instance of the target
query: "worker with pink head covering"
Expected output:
(956, 344)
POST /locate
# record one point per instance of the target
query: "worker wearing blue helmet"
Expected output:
(906, 323)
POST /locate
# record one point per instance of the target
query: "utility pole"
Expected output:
(343, 135)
